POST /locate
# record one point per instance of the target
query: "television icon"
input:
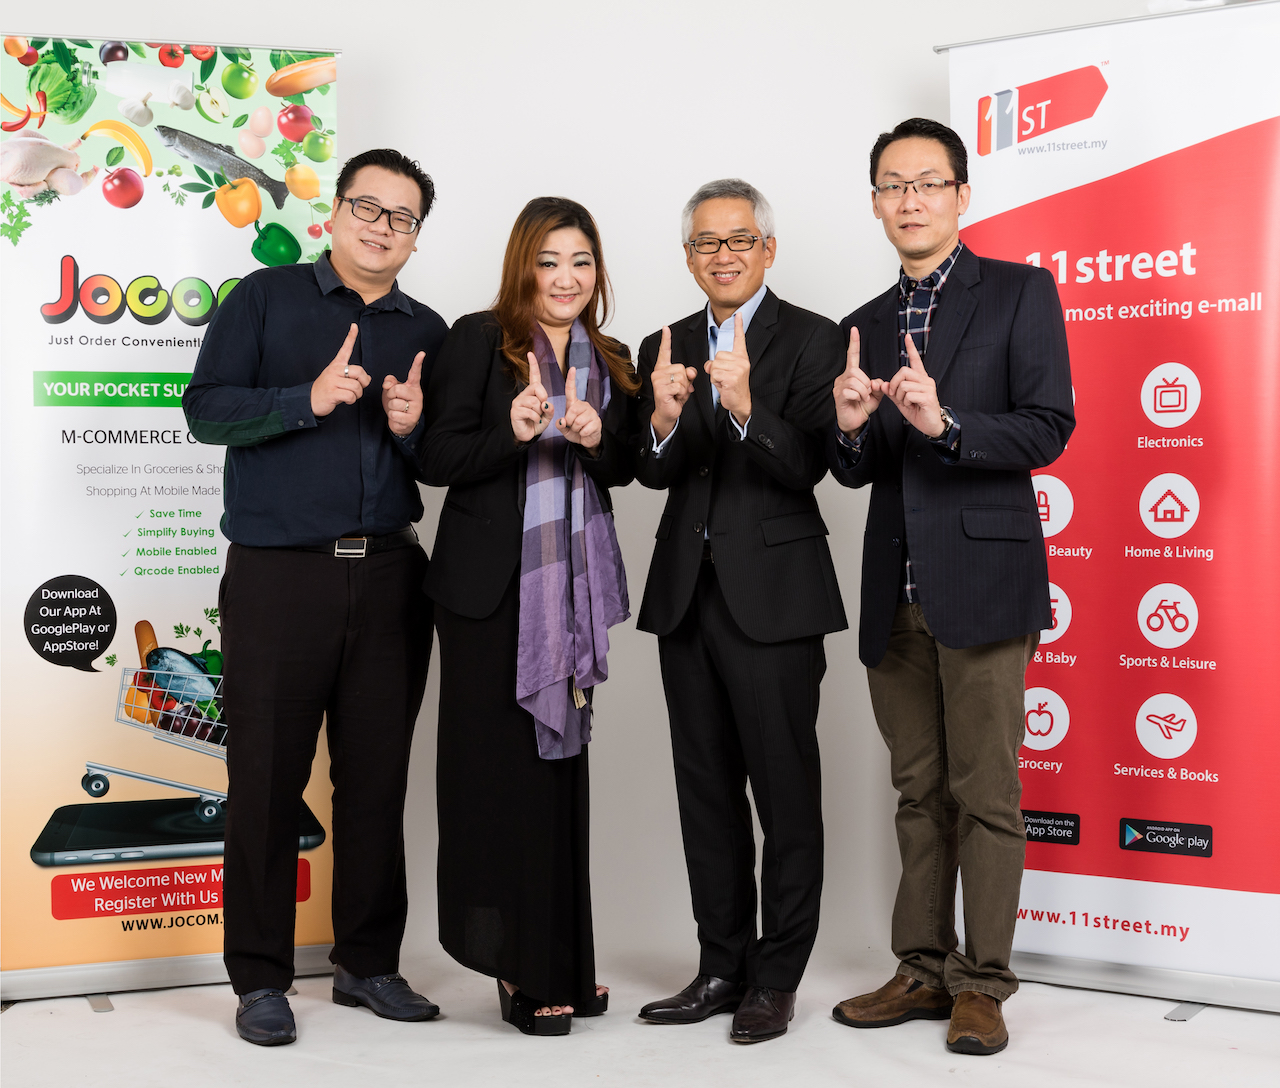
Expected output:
(1169, 395)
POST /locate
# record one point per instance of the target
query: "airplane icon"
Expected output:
(1168, 724)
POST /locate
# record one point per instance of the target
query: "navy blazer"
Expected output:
(756, 494)
(998, 353)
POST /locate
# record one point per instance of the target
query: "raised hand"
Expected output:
(339, 382)
(731, 374)
(916, 395)
(857, 395)
(672, 386)
(580, 422)
(530, 409)
(402, 401)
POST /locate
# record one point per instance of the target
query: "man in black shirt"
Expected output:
(322, 608)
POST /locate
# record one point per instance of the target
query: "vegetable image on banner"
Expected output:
(1162, 518)
(139, 183)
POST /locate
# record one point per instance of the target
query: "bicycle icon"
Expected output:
(1167, 610)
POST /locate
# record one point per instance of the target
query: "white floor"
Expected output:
(1060, 1037)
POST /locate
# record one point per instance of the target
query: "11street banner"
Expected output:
(139, 183)
(1138, 162)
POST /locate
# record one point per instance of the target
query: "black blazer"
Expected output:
(767, 536)
(469, 448)
(998, 352)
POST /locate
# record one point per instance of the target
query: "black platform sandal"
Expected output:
(518, 1010)
(595, 1006)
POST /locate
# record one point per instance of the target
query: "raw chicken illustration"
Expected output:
(31, 163)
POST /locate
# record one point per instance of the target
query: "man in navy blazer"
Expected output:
(957, 385)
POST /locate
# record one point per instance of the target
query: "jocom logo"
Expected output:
(1036, 108)
(103, 299)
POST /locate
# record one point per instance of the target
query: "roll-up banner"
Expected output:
(1139, 162)
(139, 182)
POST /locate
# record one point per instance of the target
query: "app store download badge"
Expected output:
(1054, 503)
(1169, 505)
(70, 620)
(1046, 719)
(1060, 611)
(1166, 726)
(1167, 615)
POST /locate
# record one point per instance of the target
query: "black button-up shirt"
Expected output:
(292, 479)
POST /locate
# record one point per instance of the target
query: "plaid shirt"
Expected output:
(917, 302)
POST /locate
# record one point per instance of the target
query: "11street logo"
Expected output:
(1033, 109)
(1162, 837)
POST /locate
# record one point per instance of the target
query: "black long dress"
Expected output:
(513, 876)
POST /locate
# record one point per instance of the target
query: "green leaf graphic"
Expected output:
(65, 58)
(208, 200)
(205, 176)
(240, 120)
(207, 67)
(115, 155)
(137, 48)
(194, 187)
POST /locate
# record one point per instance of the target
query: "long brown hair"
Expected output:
(517, 295)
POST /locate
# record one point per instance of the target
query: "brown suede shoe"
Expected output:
(900, 999)
(977, 1025)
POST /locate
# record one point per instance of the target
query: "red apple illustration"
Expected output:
(1042, 725)
(123, 187)
(294, 122)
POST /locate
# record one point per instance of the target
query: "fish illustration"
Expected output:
(220, 158)
(1168, 724)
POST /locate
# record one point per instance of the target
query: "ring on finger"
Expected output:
(346, 371)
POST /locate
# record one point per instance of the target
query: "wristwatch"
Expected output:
(948, 421)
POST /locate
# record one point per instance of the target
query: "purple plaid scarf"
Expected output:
(573, 587)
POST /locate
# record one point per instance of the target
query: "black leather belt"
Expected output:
(357, 547)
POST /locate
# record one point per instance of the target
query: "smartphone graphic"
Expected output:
(142, 831)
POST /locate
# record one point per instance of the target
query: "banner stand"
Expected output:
(153, 974)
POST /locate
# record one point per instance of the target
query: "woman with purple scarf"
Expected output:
(531, 414)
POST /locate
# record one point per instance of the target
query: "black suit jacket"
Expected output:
(756, 494)
(998, 353)
(469, 448)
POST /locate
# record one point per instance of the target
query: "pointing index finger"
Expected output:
(855, 357)
(535, 375)
(913, 355)
(571, 388)
(415, 371)
(344, 352)
(664, 347)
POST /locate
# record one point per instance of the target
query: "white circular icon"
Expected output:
(1169, 505)
(1060, 604)
(1045, 717)
(1166, 726)
(1053, 502)
(1170, 395)
(1167, 615)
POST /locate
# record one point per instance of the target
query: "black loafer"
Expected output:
(389, 996)
(763, 1014)
(705, 996)
(263, 1017)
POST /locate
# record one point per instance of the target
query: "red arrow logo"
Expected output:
(1059, 101)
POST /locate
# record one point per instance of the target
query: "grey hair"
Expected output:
(733, 188)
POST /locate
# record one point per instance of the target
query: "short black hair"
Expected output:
(398, 163)
(929, 130)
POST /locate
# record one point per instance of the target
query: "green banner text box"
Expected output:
(108, 389)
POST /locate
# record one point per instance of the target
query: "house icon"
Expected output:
(1169, 508)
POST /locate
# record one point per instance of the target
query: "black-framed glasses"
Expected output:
(925, 187)
(401, 222)
(738, 243)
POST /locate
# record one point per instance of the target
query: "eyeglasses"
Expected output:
(925, 187)
(739, 243)
(401, 222)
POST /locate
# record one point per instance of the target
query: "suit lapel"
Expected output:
(694, 347)
(880, 360)
(760, 332)
(955, 308)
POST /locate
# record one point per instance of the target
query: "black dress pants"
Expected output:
(306, 636)
(744, 710)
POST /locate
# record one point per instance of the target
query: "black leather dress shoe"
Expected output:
(387, 995)
(763, 1014)
(705, 996)
(264, 1017)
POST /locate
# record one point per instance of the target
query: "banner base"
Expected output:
(1122, 978)
(154, 974)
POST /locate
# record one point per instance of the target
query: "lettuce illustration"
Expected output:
(69, 97)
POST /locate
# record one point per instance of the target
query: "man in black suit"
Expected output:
(734, 409)
(957, 385)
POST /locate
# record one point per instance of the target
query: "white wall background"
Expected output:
(628, 107)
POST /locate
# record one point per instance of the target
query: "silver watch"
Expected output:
(948, 421)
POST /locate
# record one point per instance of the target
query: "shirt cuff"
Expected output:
(947, 444)
(410, 441)
(742, 431)
(295, 408)
(850, 449)
(660, 448)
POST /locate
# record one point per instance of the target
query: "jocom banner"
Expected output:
(140, 182)
(1136, 162)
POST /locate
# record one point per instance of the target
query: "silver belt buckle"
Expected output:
(350, 547)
